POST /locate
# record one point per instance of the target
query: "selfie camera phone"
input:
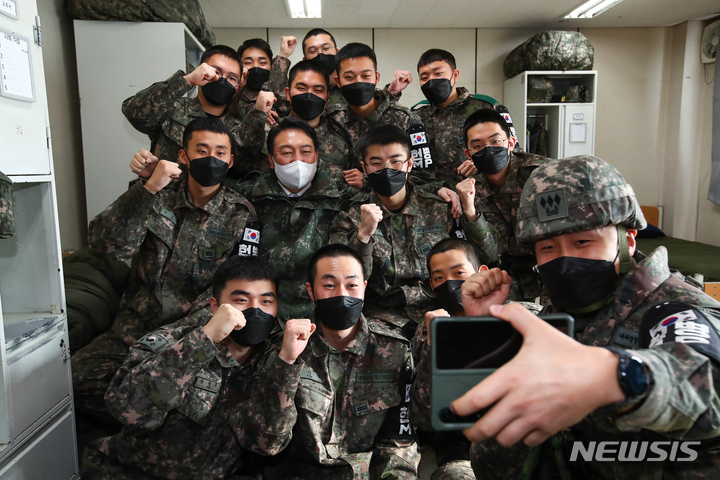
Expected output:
(466, 350)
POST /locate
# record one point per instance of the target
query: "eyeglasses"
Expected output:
(325, 48)
(232, 79)
(494, 142)
(396, 164)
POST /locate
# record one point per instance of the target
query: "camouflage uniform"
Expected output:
(7, 217)
(175, 249)
(584, 193)
(395, 257)
(162, 113)
(444, 128)
(335, 406)
(388, 111)
(335, 146)
(293, 228)
(499, 206)
(180, 399)
(252, 159)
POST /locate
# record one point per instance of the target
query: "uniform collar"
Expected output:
(358, 346)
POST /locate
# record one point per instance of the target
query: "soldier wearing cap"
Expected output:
(642, 367)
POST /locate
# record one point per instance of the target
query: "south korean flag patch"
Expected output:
(675, 322)
(249, 245)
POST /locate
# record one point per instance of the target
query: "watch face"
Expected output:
(635, 376)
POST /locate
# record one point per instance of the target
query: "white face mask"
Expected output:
(296, 175)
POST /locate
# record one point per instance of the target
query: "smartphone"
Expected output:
(466, 350)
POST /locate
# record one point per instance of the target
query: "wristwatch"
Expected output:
(634, 378)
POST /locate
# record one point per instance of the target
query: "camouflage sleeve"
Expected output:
(267, 427)
(684, 402)
(250, 133)
(395, 459)
(395, 97)
(279, 77)
(147, 109)
(481, 233)
(155, 376)
(420, 392)
(120, 229)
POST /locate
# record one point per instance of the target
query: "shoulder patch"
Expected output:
(153, 341)
(679, 323)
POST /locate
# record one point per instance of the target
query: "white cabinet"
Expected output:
(37, 433)
(570, 127)
(115, 60)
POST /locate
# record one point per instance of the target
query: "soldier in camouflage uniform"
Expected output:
(182, 390)
(308, 94)
(394, 226)
(445, 117)
(296, 205)
(655, 378)
(176, 238)
(162, 112)
(496, 188)
(340, 394)
(364, 106)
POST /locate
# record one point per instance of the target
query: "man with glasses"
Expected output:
(493, 193)
(162, 111)
(394, 227)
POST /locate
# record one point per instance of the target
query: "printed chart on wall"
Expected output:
(16, 78)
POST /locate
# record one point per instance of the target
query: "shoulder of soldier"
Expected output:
(425, 194)
(165, 337)
(385, 329)
(234, 196)
(532, 160)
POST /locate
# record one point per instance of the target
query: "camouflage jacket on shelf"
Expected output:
(161, 112)
(444, 127)
(180, 399)
(395, 256)
(334, 405)
(293, 228)
(683, 403)
(175, 249)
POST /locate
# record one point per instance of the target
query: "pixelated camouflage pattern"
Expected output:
(335, 147)
(444, 128)
(499, 205)
(7, 216)
(683, 404)
(595, 194)
(388, 111)
(161, 112)
(553, 50)
(175, 249)
(293, 228)
(540, 89)
(188, 12)
(576, 94)
(395, 258)
(180, 399)
(333, 405)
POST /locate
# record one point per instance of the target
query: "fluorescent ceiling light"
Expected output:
(592, 8)
(304, 8)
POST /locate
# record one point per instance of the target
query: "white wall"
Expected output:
(641, 84)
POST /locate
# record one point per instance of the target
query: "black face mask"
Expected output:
(257, 77)
(257, 328)
(358, 93)
(437, 90)
(208, 171)
(576, 283)
(387, 182)
(327, 62)
(218, 93)
(491, 160)
(339, 313)
(307, 105)
(449, 296)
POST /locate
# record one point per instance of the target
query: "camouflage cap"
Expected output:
(575, 194)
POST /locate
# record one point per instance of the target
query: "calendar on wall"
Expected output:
(16, 76)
